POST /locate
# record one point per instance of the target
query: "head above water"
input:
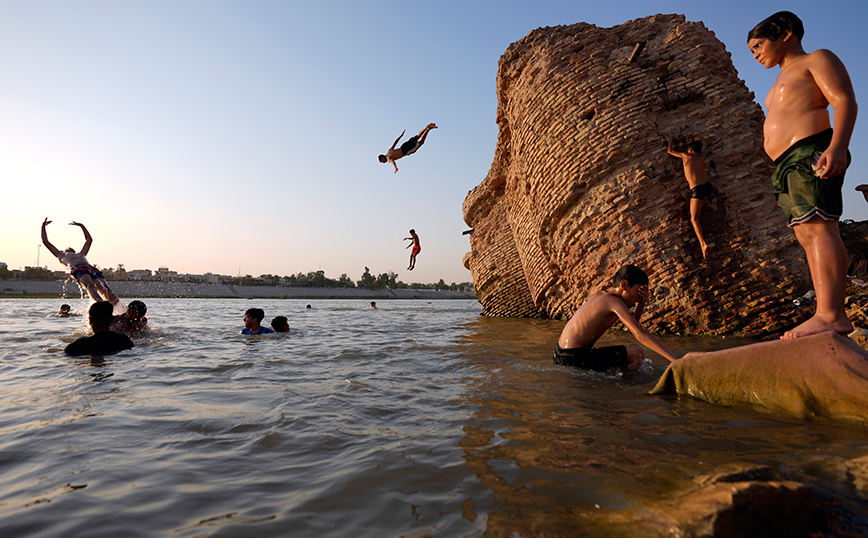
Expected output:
(632, 274)
(138, 308)
(64, 308)
(100, 316)
(774, 27)
(255, 313)
(280, 324)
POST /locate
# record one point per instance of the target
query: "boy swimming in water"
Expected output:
(417, 248)
(252, 320)
(597, 314)
(700, 188)
(810, 156)
(87, 276)
(280, 324)
(407, 148)
(133, 322)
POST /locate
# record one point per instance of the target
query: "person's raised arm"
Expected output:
(643, 336)
(88, 240)
(51, 248)
(833, 80)
(671, 151)
(395, 143)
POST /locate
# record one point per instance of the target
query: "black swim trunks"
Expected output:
(701, 191)
(599, 359)
(410, 146)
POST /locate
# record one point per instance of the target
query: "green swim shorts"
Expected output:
(800, 193)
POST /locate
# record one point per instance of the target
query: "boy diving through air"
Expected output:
(810, 156)
(87, 276)
(597, 314)
(407, 148)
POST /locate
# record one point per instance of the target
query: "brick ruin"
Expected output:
(581, 182)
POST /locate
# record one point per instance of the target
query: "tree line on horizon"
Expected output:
(312, 279)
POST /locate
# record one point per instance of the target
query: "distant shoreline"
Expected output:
(65, 289)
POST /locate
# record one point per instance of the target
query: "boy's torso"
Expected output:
(796, 107)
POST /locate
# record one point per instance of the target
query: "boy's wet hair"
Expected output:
(696, 146)
(632, 274)
(774, 27)
(138, 306)
(64, 307)
(256, 313)
(278, 322)
(382, 158)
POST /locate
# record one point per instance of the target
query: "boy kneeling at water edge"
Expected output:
(597, 314)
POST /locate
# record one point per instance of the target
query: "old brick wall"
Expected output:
(581, 182)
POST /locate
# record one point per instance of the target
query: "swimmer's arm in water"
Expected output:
(88, 240)
(51, 248)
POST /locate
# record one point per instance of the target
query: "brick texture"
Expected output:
(581, 182)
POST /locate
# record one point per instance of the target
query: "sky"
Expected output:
(242, 137)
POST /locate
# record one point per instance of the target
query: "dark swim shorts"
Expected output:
(800, 193)
(84, 269)
(701, 192)
(410, 146)
(599, 359)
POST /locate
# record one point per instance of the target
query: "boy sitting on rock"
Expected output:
(597, 314)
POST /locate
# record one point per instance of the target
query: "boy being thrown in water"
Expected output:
(810, 156)
(597, 314)
(87, 276)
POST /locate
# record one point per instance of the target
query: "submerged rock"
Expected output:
(822, 375)
(581, 182)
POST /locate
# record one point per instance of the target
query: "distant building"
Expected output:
(139, 274)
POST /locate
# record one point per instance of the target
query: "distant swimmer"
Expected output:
(417, 248)
(374, 304)
(700, 188)
(407, 148)
(575, 346)
(65, 312)
(87, 276)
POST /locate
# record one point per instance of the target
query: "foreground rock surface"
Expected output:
(581, 182)
(823, 375)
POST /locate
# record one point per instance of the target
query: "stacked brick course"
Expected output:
(581, 182)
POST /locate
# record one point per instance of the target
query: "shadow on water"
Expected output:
(560, 448)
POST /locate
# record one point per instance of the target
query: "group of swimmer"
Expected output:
(810, 158)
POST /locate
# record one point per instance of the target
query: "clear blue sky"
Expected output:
(218, 136)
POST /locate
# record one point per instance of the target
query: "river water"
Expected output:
(416, 419)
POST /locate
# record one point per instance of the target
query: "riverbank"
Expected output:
(68, 289)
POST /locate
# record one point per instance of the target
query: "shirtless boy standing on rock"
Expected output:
(810, 156)
(597, 314)
(87, 276)
(700, 188)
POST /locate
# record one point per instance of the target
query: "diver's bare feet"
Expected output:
(815, 325)
(704, 247)
(432, 125)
